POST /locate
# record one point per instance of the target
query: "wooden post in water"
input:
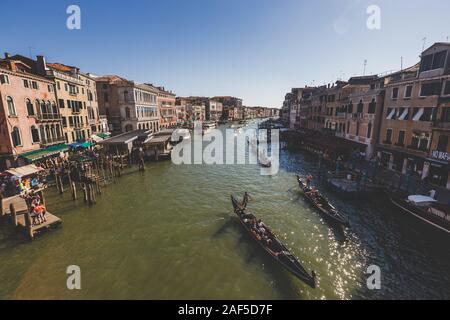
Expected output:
(74, 190)
(12, 210)
(1, 205)
(84, 187)
(61, 186)
(29, 225)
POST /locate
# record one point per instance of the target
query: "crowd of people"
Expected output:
(35, 207)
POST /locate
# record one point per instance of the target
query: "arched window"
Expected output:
(43, 109)
(30, 108)
(58, 131)
(37, 106)
(125, 96)
(127, 113)
(360, 107)
(54, 109)
(34, 134)
(139, 126)
(15, 135)
(11, 107)
(42, 130)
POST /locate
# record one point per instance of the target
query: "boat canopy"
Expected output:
(420, 199)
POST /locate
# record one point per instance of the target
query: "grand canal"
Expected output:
(169, 233)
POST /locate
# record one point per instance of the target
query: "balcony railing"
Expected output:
(48, 116)
(52, 141)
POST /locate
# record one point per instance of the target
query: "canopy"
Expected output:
(420, 199)
(103, 135)
(45, 152)
(24, 171)
(83, 145)
(96, 138)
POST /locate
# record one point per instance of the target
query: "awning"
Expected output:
(45, 152)
(103, 135)
(83, 145)
(24, 171)
(96, 138)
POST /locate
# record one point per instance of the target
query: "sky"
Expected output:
(253, 49)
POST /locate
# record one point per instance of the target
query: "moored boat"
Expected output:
(321, 203)
(271, 244)
(423, 208)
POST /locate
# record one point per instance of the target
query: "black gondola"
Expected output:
(276, 249)
(321, 203)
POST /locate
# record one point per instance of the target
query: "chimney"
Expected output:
(41, 65)
(6, 55)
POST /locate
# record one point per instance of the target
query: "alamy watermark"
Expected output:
(374, 19)
(74, 280)
(73, 21)
(374, 280)
(238, 146)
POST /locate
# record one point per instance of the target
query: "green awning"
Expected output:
(102, 135)
(45, 152)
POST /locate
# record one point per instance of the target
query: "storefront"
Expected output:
(439, 169)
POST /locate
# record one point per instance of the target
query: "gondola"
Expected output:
(276, 249)
(322, 204)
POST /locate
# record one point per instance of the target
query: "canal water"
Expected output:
(170, 233)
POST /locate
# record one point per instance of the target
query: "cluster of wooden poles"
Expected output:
(95, 176)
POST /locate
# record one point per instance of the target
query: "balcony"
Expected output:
(52, 141)
(49, 117)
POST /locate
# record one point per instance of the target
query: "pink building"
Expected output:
(29, 116)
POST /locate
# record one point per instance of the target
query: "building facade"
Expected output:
(128, 105)
(29, 116)
(414, 130)
(167, 108)
(213, 110)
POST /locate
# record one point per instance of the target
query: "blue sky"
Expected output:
(254, 49)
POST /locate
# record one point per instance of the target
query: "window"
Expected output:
(4, 79)
(127, 113)
(426, 63)
(15, 135)
(25, 83)
(61, 103)
(125, 96)
(106, 97)
(30, 108)
(394, 93)
(408, 92)
(388, 136)
(34, 134)
(369, 131)
(390, 115)
(66, 88)
(401, 138)
(34, 85)
(447, 88)
(439, 60)
(360, 107)
(403, 113)
(445, 117)
(431, 89)
(50, 88)
(442, 143)
(11, 108)
(58, 85)
(372, 107)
